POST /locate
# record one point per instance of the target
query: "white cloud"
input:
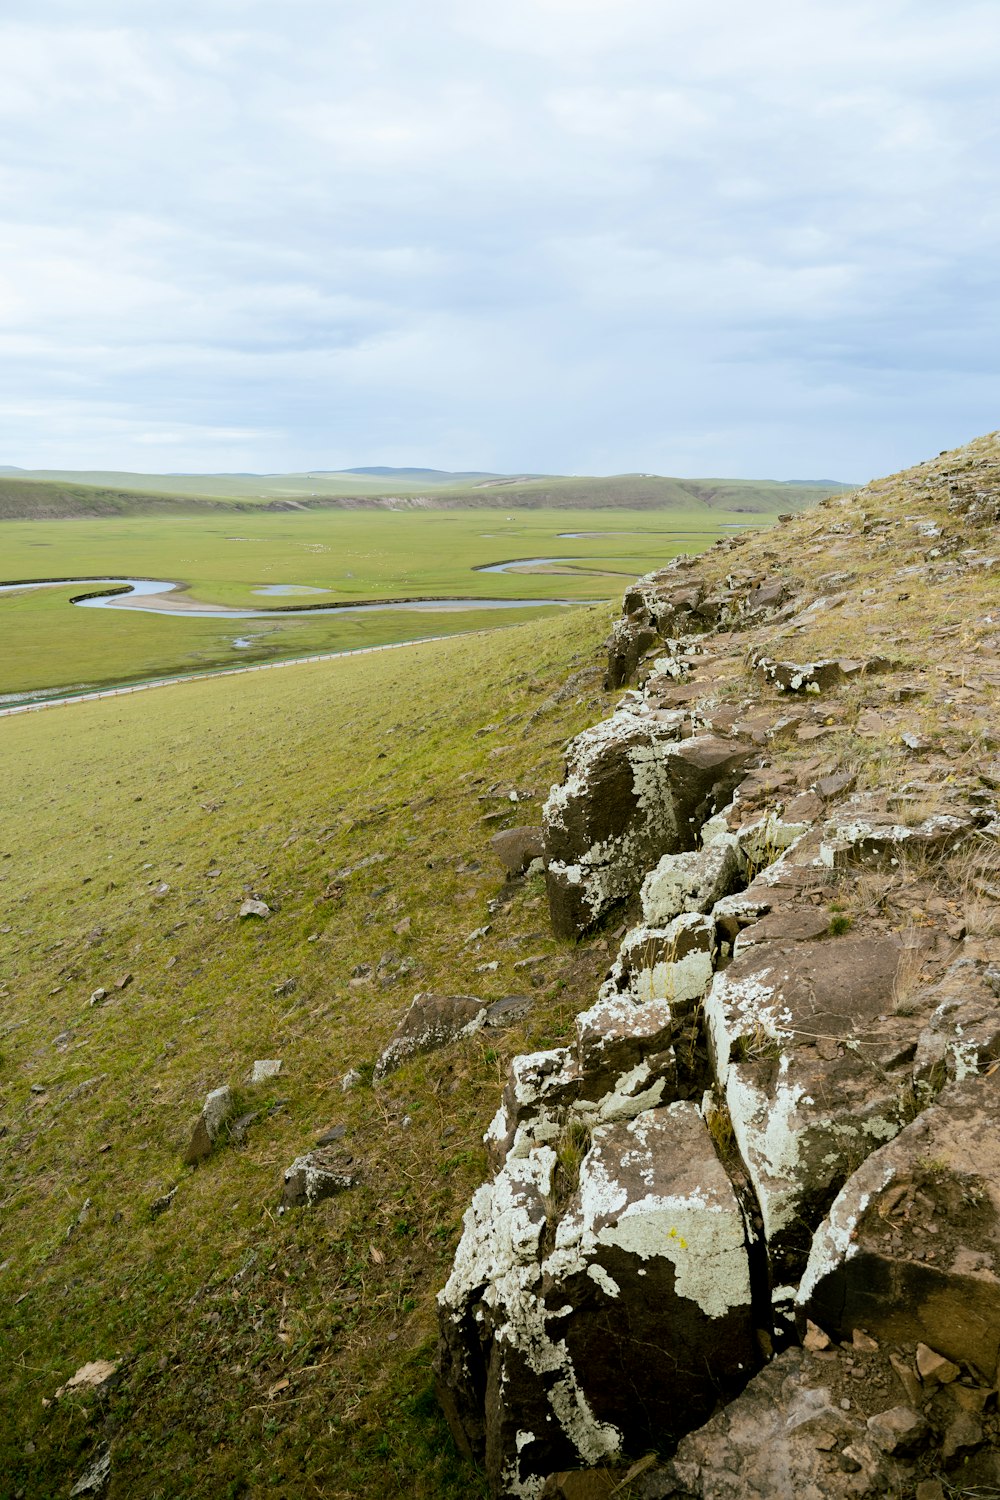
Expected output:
(551, 234)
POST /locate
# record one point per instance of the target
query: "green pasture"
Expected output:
(262, 1354)
(351, 556)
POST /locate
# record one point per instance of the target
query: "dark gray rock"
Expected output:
(432, 1021)
(910, 1249)
(561, 1288)
(518, 848)
(632, 793)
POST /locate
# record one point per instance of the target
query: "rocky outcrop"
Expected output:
(633, 791)
(746, 1115)
(561, 1287)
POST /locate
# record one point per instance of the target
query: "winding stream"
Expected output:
(124, 593)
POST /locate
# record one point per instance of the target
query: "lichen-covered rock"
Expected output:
(632, 792)
(627, 644)
(911, 1250)
(816, 676)
(560, 1290)
(318, 1175)
(962, 1036)
(432, 1021)
(690, 882)
(674, 962)
(875, 841)
(814, 1063)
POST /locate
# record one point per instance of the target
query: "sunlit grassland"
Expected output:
(269, 784)
(351, 555)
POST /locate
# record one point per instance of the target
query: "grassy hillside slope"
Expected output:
(261, 1353)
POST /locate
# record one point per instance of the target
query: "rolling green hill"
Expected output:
(48, 494)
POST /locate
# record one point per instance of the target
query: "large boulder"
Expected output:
(911, 1249)
(632, 792)
(815, 1065)
(569, 1272)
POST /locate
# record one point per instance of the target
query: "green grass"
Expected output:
(277, 782)
(353, 555)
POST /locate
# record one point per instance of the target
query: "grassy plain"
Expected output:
(351, 555)
(262, 1354)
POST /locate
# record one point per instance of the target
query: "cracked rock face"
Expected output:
(815, 1072)
(632, 792)
(911, 1247)
(552, 1305)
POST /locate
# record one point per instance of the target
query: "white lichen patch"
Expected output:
(640, 1198)
(760, 843)
(769, 1131)
(690, 882)
(834, 1240)
(736, 1006)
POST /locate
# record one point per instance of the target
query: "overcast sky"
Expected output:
(584, 236)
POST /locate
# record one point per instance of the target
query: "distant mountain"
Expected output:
(432, 476)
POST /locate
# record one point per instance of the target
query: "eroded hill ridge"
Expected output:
(749, 1215)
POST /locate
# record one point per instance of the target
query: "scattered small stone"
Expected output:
(403, 927)
(95, 1476)
(863, 1342)
(238, 1129)
(264, 1068)
(160, 1205)
(899, 1431)
(330, 1136)
(81, 1218)
(98, 997)
(933, 1368)
(317, 1175)
(254, 908)
(123, 982)
(38, 1088)
(286, 987)
(504, 1012)
(217, 1110)
(350, 1080)
(93, 1376)
(963, 1433)
(908, 1380)
(518, 849)
(815, 1339)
